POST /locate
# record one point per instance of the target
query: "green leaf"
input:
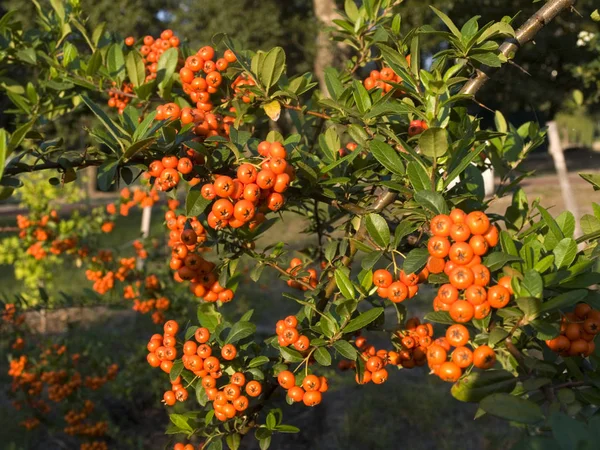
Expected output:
(239, 331)
(415, 260)
(533, 283)
(344, 284)
(106, 174)
(453, 28)
(233, 441)
(176, 370)
(497, 335)
(497, 29)
(564, 300)
(565, 253)
(115, 60)
(181, 422)
(215, 444)
(258, 361)
(418, 176)
(554, 230)
(434, 142)
(593, 179)
(115, 130)
(497, 260)
(361, 97)
(137, 147)
(330, 143)
(345, 349)
(27, 55)
(433, 201)
(512, 408)
(208, 317)
(439, 317)
(143, 127)
(287, 429)
(364, 319)
(463, 163)
(378, 229)
(544, 264)
(195, 204)
(94, 63)
(3, 149)
(136, 70)
(387, 156)
(272, 67)
(291, 355)
(334, 85)
(570, 433)
(351, 10)
(322, 356)
(166, 68)
(530, 306)
(475, 386)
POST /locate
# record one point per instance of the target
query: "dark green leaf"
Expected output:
(344, 284)
(387, 156)
(434, 142)
(433, 201)
(378, 229)
(345, 349)
(239, 331)
(136, 70)
(364, 319)
(415, 260)
(322, 356)
(512, 408)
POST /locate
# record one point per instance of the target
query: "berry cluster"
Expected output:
(41, 382)
(198, 358)
(578, 329)
(199, 88)
(41, 235)
(186, 237)
(245, 199)
(456, 247)
(378, 79)
(414, 341)
(120, 98)
(457, 335)
(294, 269)
(153, 49)
(309, 391)
(288, 334)
(239, 89)
(397, 291)
(166, 172)
(375, 362)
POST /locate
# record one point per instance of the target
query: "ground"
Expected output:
(411, 410)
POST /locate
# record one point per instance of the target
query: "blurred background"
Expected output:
(556, 78)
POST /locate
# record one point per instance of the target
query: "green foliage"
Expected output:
(362, 179)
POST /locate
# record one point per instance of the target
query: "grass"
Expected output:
(411, 410)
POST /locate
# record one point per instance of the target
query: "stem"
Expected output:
(523, 35)
(309, 112)
(283, 272)
(385, 199)
(51, 165)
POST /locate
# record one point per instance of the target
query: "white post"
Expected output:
(563, 175)
(145, 229)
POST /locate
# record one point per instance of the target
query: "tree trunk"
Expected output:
(325, 12)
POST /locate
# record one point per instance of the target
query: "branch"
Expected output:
(385, 199)
(306, 111)
(523, 35)
(16, 170)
